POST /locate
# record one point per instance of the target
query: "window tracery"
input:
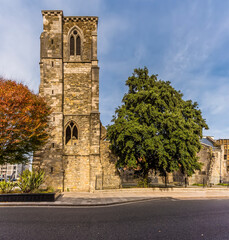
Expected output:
(71, 134)
(75, 43)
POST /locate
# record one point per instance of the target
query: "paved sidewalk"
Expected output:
(119, 196)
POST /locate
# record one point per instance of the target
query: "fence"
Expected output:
(131, 178)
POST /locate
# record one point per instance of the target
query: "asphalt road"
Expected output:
(157, 219)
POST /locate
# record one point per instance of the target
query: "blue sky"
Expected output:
(185, 42)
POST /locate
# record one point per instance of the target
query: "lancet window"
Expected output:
(71, 134)
(75, 43)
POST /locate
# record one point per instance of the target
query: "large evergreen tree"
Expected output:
(155, 128)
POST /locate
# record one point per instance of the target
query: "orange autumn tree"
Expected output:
(24, 118)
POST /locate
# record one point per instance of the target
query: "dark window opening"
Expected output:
(52, 91)
(75, 44)
(52, 63)
(71, 133)
(51, 170)
(78, 42)
(53, 145)
(72, 45)
(52, 41)
(68, 134)
(75, 132)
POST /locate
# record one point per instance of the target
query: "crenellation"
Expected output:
(74, 156)
(52, 13)
(79, 19)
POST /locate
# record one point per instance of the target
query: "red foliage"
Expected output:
(23, 121)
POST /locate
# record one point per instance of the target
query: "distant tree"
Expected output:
(24, 124)
(155, 128)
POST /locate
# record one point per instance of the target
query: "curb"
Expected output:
(53, 204)
(39, 204)
(188, 189)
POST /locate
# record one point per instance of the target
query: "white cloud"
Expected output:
(195, 38)
(194, 35)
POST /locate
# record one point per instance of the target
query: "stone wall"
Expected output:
(214, 166)
(111, 177)
(70, 84)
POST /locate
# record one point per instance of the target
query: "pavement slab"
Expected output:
(119, 196)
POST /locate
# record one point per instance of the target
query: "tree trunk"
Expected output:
(165, 179)
(145, 177)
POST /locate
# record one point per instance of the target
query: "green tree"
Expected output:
(24, 122)
(155, 128)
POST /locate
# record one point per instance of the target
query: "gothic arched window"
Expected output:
(75, 44)
(71, 134)
(72, 45)
(78, 45)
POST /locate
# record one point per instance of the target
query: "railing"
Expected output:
(131, 178)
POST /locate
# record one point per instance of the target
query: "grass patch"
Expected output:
(48, 190)
(223, 184)
(198, 184)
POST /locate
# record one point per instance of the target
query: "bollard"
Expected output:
(185, 182)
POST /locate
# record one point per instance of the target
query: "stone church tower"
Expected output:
(77, 156)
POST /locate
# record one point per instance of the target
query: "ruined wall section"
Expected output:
(81, 74)
(51, 87)
(77, 88)
(217, 170)
(70, 83)
(110, 175)
(213, 168)
(76, 157)
(86, 27)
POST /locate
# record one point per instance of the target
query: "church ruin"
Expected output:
(77, 156)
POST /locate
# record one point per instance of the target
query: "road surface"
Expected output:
(157, 219)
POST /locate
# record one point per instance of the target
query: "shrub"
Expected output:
(30, 181)
(143, 183)
(7, 187)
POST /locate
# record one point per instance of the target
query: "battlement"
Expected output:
(69, 18)
(80, 19)
(52, 12)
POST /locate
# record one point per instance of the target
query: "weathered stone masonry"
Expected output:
(77, 156)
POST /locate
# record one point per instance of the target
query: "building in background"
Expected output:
(214, 166)
(225, 143)
(12, 171)
(213, 170)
